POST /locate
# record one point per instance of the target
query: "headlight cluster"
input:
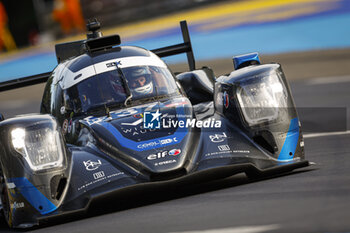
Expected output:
(261, 98)
(40, 146)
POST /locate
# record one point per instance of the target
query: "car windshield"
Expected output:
(108, 89)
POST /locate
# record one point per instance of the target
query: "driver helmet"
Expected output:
(140, 80)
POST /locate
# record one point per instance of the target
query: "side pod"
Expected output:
(257, 99)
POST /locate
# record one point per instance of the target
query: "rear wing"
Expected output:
(185, 47)
(24, 82)
(65, 51)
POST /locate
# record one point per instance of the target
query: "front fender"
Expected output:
(32, 193)
(259, 101)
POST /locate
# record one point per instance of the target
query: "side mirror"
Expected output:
(2, 117)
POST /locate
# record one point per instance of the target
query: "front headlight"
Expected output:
(40, 146)
(261, 98)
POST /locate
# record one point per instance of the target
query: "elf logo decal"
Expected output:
(163, 154)
(174, 152)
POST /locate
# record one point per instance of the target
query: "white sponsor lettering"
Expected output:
(218, 137)
(146, 145)
(227, 152)
(159, 155)
(98, 175)
(137, 131)
(157, 143)
(223, 147)
(11, 185)
(165, 162)
(90, 165)
(114, 115)
(104, 178)
(17, 205)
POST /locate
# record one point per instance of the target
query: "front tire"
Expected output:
(5, 202)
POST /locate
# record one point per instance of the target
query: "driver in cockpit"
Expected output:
(140, 81)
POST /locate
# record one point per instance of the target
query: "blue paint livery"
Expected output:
(179, 134)
(33, 195)
(291, 142)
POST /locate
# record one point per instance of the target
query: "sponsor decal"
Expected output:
(100, 179)
(227, 152)
(11, 185)
(114, 115)
(70, 125)
(174, 152)
(90, 165)
(223, 147)
(148, 144)
(63, 110)
(65, 126)
(165, 162)
(113, 64)
(226, 100)
(167, 141)
(157, 143)
(98, 175)
(218, 137)
(163, 154)
(136, 130)
(140, 115)
(151, 120)
(17, 205)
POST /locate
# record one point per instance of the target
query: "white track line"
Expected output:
(327, 80)
(242, 229)
(314, 135)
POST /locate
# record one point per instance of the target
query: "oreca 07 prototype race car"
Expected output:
(114, 117)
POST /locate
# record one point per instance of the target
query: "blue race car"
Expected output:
(116, 117)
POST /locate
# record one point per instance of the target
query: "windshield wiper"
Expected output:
(125, 81)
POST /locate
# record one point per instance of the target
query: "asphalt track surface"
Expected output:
(312, 199)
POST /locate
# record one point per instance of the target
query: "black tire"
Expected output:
(5, 199)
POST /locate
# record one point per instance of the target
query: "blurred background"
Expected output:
(219, 29)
